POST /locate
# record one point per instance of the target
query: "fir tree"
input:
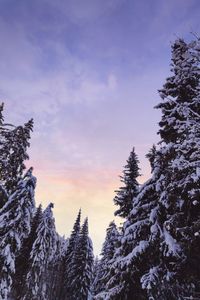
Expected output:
(73, 240)
(95, 277)
(41, 256)
(82, 267)
(158, 256)
(15, 221)
(13, 153)
(126, 193)
(108, 251)
(23, 259)
(180, 181)
(137, 250)
(56, 270)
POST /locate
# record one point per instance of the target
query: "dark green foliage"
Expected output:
(107, 258)
(82, 267)
(68, 259)
(15, 220)
(23, 259)
(159, 253)
(126, 193)
(41, 256)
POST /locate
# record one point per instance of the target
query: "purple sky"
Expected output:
(88, 73)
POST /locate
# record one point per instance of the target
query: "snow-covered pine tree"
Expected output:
(96, 270)
(159, 251)
(43, 251)
(126, 193)
(23, 259)
(138, 249)
(56, 270)
(14, 142)
(15, 223)
(82, 267)
(18, 143)
(72, 244)
(179, 185)
(109, 248)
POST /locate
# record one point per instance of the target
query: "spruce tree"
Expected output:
(72, 244)
(82, 267)
(158, 257)
(56, 270)
(23, 259)
(137, 250)
(107, 258)
(13, 153)
(126, 193)
(15, 224)
(176, 274)
(41, 256)
(180, 183)
(95, 277)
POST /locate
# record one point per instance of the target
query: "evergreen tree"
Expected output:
(82, 267)
(73, 241)
(179, 185)
(43, 251)
(23, 259)
(126, 193)
(14, 142)
(15, 221)
(95, 277)
(56, 270)
(158, 257)
(137, 250)
(109, 248)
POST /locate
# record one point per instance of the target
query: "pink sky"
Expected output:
(88, 73)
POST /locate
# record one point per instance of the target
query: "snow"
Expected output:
(173, 247)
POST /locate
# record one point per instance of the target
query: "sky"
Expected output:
(88, 72)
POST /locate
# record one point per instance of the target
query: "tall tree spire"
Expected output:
(125, 195)
(158, 257)
(107, 259)
(82, 266)
(41, 256)
(15, 225)
(73, 241)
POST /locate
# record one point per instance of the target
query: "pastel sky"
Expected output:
(88, 72)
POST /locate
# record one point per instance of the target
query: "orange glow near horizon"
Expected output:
(71, 190)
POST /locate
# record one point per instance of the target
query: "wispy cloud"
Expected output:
(88, 72)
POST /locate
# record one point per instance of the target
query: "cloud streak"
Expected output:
(88, 73)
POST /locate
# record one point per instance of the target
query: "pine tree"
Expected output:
(95, 277)
(180, 182)
(23, 259)
(137, 250)
(108, 251)
(41, 256)
(73, 241)
(158, 257)
(13, 153)
(56, 270)
(126, 193)
(82, 267)
(15, 221)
